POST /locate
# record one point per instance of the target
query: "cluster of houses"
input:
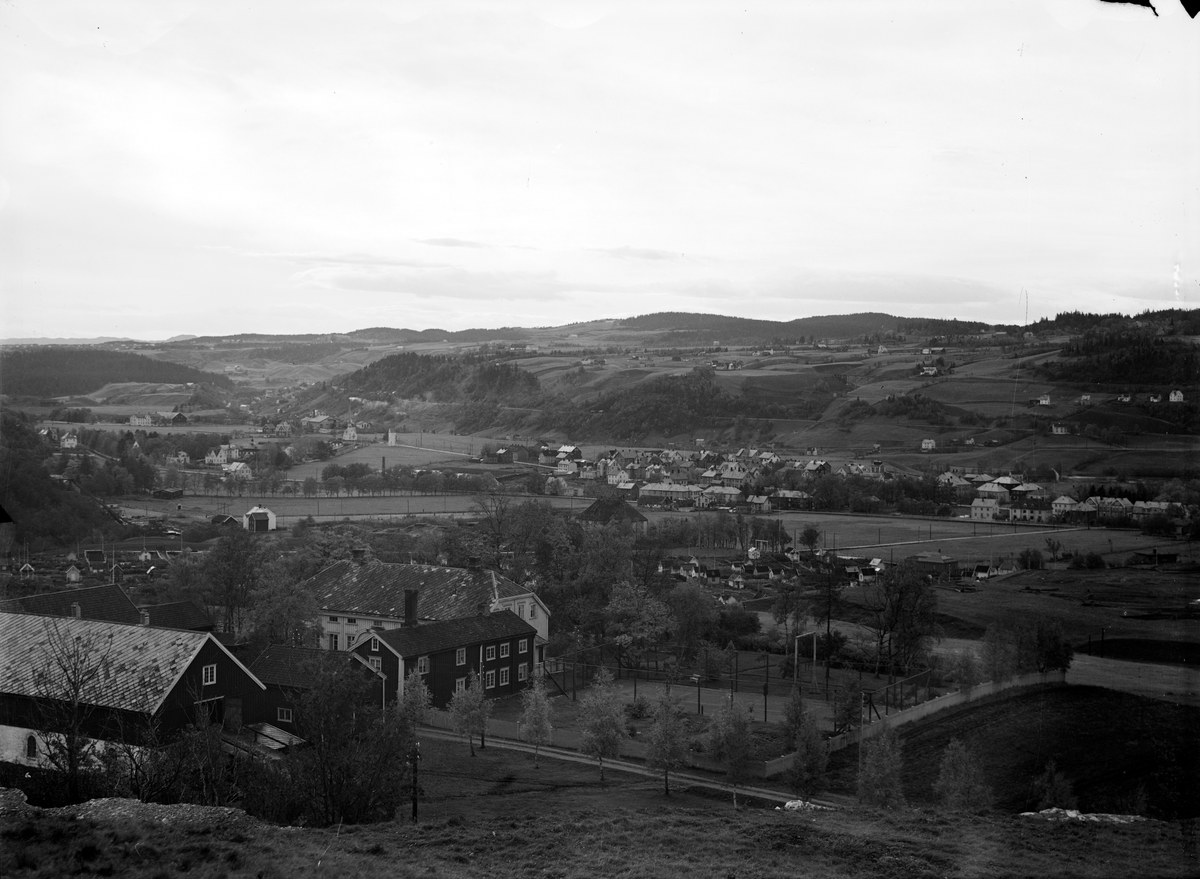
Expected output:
(673, 478)
(1010, 499)
(157, 419)
(167, 666)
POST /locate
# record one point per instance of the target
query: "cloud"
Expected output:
(449, 242)
(446, 283)
(628, 252)
(326, 259)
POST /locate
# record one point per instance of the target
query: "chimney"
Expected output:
(473, 563)
(359, 554)
(76, 610)
(143, 617)
(410, 608)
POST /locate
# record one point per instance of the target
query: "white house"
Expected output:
(1176, 396)
(258, 519)
(928, 445)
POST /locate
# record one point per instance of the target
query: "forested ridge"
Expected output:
(445, 379)
(54, 371)
(1126, 357)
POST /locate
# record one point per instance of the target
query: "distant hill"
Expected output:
(59, 371)
(97, 340)
(708, 329)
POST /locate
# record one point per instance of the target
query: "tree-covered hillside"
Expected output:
(54, 371)
(1127, 358)
(444, 380)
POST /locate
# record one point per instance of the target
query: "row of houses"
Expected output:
(164, 665)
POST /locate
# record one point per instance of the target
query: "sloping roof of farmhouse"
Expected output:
(372, 588)
(284, 666)
(108, 602)
(427, 638)
(178, 615)
(141, 664)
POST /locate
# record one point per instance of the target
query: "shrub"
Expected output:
(960, 785)
(1053, 790)
(1030, 559)
(638, 708)
(879, 779)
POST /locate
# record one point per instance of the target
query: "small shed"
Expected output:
(258, 519)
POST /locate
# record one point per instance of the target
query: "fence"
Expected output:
(941, 703)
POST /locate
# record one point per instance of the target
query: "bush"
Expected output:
(1053, 790)
(639, 708)
(879, 779)
(960, 785)
(1031, 559)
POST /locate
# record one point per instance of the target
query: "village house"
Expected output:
(499, 647)
(149, 676)
(140, 419)
(70, 441)
(358, 595)
(928, 445)
(107, 603)
(288, 672)
(1176, 397)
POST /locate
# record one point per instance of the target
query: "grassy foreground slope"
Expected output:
(499, 815)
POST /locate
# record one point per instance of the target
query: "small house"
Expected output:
(258, 519)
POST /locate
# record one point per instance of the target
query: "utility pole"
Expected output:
(416, 758)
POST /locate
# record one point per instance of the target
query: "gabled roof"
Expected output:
(606, 511)
(377, 589)
(141, 664)
(283, 666)
(178, 615)
(108, 602)
(427, 638)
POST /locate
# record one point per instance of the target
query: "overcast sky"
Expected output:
(171, 167)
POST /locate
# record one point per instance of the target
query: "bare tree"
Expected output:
(67, 684)
(668, 738)
(469, 710)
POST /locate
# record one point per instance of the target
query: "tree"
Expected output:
(729, 741)
(694, 617)
(355, 766)
(903, 616)
(960, 784)
(1030, 559)
(470, 710)
(602, 719)
(416, 702)
(535, 715)
(810, 537)
(68, 682)
(879, 778)
(1053, 790)
(806, 775)
(1054, 547)
(790, 609)
(634, 618)
(230, 572)
(667, 747)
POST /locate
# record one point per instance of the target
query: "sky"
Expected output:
(173, 167)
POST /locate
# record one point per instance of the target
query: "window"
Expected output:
(374, 644)
(333, 642)
(30, 748)
(533, 611)
(504, 677)
(284, 715)
(521, 610)
(491, 680)
(523, 645)
(422, 665)
(460, 684)
(209, 674)
(504, 648)
(376, 663)
(351, 621)
(522, 671)
(333, 619)
(489, 653)
(460, 656)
